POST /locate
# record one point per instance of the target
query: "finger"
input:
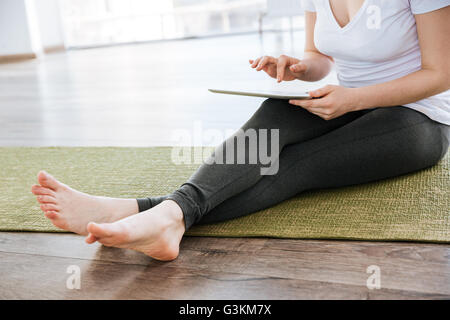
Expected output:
(321, 92)
(314, 107)
(46, 199)
(266, 60)
(306, 103)
(320, 112)
(281, 66)
(255, 63)
(298, 68)
(261, 63)
(324, 116)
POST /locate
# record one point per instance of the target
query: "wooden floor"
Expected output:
(138, 96)
(34, 266)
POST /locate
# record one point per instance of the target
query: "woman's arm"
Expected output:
(318, 65)
(433, 31)
(433, 78)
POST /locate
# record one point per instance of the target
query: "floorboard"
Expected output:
(34, 267)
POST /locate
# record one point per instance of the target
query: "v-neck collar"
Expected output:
(351, 22)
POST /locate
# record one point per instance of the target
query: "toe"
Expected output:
(91, 238)
(108, 242)
(39, 190)
(111, 232)
(59, 223)
(52, 215)
(99, 230)
(46, 180)
(49, 207)
(46, 199)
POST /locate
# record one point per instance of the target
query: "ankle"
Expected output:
(174, 213)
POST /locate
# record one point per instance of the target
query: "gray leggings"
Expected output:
(358, 147)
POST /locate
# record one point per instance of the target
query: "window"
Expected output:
(102, 22)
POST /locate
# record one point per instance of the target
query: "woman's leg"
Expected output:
(72, 210)
(213, 183)
(158, 231)
(384, 143)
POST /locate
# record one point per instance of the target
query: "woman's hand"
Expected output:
(330, 102)
(283, 68)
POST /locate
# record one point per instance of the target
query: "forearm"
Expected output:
(408, 89)
(318, 66)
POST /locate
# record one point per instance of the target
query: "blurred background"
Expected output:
(130, 72)
(102, 22)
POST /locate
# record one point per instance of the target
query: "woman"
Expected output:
(389, 116)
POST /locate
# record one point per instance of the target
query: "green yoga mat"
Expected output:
(414, 207)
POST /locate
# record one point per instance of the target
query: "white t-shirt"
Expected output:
(379, 44)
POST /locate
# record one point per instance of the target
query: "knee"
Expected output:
(444, 140)
(425, 141)
(430, 143)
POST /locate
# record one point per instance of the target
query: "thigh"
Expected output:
(229, 170)
(383, 143)
(294, 123)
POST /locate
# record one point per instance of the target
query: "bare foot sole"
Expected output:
(156, 232)
(72, 210)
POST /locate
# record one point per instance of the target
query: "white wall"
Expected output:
(33, 26)
(50, 24)
(15, 37)
(29, 26)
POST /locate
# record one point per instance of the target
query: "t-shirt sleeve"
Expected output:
(424, 6)
(308, 5)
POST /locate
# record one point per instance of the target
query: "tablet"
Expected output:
(285, 95)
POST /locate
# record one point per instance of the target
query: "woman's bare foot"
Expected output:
(156, 232)
(72, 210)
